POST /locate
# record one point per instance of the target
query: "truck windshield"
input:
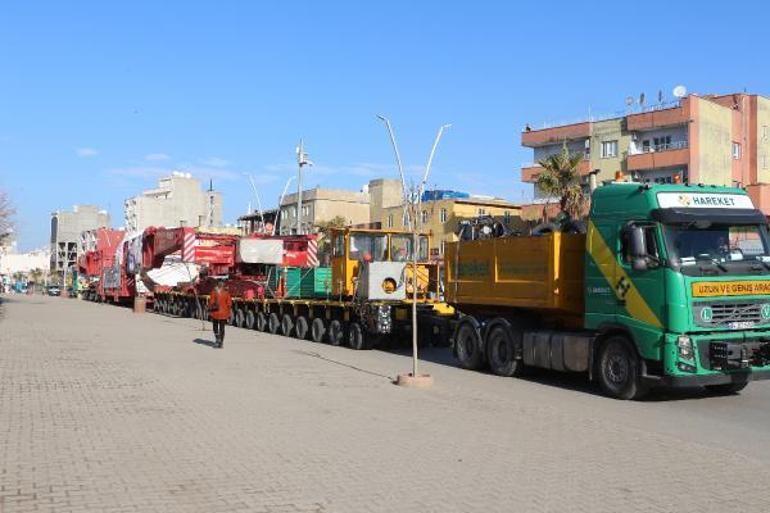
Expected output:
(691, 243)
(368, 247)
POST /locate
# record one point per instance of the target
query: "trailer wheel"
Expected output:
(619, 369)
(301, 327)
(231, 319)
(504, 344)
(318, 330)
(261, 321)
(356, 336)
(336, 332)
(468, 344)
(273, 323)
(287, 325)
(249, 319)
(240, 317)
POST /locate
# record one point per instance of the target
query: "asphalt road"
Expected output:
(105, 410)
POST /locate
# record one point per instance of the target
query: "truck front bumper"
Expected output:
(708, 379)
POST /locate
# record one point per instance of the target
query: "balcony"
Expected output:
(660, 118)
(557, 134)
(662, 156)
(530, 172)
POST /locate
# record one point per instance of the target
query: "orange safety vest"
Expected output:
(224, 303)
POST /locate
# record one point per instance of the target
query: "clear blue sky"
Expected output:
(97, 99)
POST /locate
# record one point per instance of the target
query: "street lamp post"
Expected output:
(413, 202)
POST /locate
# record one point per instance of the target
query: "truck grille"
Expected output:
(731, 314)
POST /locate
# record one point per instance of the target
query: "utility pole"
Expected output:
(302, 161)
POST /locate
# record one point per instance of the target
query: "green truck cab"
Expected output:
(665, 285)
(678, 277)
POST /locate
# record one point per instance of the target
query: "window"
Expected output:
(401, 248)
(442, 215)
(609, 149)
(646, 146)
(390, 220)
(338, 248)
(650, 241)
(442, 248)
(736, 151)
(367, 248)
(662, 143)
(405, 223)
(765, 133)
(482, 212)
(507, 217)
(424, 216)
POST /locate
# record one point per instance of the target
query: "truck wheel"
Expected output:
(240, 318)
(356, 336)
(287, 325)
(727, 388)
(503, 348)
(249, 320)
(273, 323)
(261, 321)
(301, 327)
(468, 345)
(619, 369)
(231, 319)
(318, 330)
(335, 333)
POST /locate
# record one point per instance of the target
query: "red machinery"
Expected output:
(98, 256)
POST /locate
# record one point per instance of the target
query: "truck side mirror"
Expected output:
(637, 242)
(637, 245)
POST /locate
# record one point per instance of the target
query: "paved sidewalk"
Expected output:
(103, 410)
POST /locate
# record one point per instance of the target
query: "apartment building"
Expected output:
(177, 201)
(321, 205)
(712, 139)
(66, 228)
(442, 211)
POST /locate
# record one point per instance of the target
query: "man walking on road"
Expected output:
(220, 305)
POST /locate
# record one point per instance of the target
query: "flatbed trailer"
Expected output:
(356, 324)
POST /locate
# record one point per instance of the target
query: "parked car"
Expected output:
(54, 290)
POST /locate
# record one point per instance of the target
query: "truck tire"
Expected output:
(727, 388)
(273, 323)
(287, 325)
(467, 342)
(240, 317)
(231, 319)
(335, 333)
(261, 321)
(301, 327)
(249, 319)
(504, 344)
(619, 369)
(318, 330)
(356, 337)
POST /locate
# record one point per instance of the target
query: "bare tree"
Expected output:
(6, 216)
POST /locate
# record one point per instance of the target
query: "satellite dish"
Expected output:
(680, 91)
(629, 100)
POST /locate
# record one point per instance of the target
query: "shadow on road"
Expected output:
(576, 382)
(204, 342)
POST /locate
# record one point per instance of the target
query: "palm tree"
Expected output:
(560, 178)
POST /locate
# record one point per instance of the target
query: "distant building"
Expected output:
(66, 228)
(442, 212)
(12, 262)
(321, 205)
(177, 201)
(711, 139)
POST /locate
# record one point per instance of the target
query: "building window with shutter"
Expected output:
(443, 215)
(424, 216)
(390, 220)
(609, 149)
(736, 151)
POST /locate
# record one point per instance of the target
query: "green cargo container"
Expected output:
(315, 282)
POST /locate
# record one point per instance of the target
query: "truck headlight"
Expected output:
(684, 345)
